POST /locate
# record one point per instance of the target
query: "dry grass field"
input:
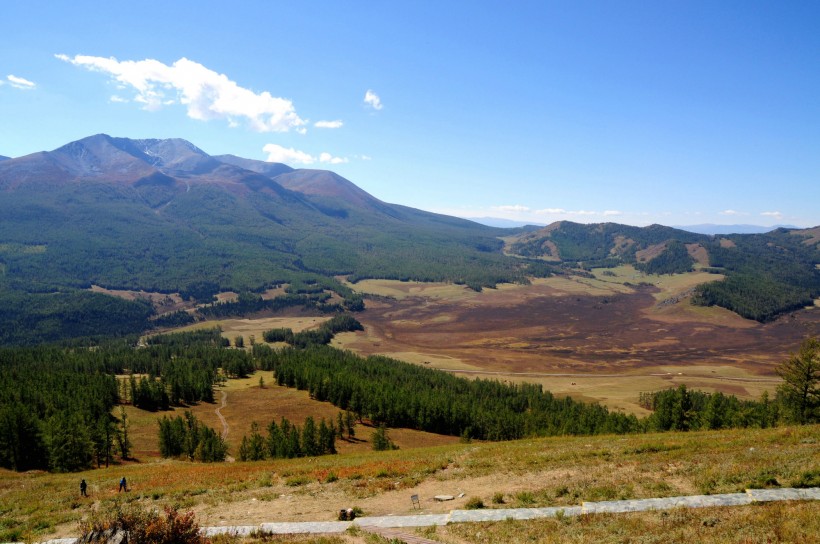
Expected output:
(246, 402)
(606, 338)
(559, 471)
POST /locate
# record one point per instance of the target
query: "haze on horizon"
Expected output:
(587, 111)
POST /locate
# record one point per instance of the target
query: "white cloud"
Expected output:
(20, 83)
(277, 153)
(776, 215)
(328, 158)
(551, 211)
(117, 99)
(289, 155)
(328, 124)
(610, 213)
(513, 208)
(206, 94)
(731, 212)
(373, 100)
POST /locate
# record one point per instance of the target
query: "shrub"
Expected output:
(145, 527)
(475, 503)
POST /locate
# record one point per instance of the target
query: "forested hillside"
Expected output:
(57, 404)
(163, 216)
(766, 274)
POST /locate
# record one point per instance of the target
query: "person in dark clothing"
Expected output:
(123, 485)
(83, 487)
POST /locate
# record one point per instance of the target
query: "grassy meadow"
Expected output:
(527, 473)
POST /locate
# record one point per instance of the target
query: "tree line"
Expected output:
(286, 440)
(398, 394)
(57, 404)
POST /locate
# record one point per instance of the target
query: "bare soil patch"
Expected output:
(162, 302)
(589, 338)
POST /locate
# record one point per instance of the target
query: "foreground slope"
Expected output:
(529, 473)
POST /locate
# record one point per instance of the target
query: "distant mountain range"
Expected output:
(4, 158)
(505, 223)
(164, 216)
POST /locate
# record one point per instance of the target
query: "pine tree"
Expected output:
(123, 441)
(310, 443)
(340, 425)
(800, 391)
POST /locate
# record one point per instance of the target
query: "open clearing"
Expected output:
(605, 338)
(247, 402)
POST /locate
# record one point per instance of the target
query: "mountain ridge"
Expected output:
(165, 216)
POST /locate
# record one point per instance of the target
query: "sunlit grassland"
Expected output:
(249, 402)
(247, 327)
(403, 289)
(559, 471)
(793, 522)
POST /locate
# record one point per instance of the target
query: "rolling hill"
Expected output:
(164, 216)
(766, 274)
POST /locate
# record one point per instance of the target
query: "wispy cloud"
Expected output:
(278, 153)
(513, 208)
(20, 83)
(551, 211)
(328, 124)
(330, 159)
(289, 155)
(732, 213)
(776, 215)
(206, 94)
(373, 100)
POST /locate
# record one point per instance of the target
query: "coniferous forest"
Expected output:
(57, 404)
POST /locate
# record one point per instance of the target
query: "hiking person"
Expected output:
(83, 487)
(123, 485)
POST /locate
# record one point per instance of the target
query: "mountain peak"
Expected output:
(176, 154)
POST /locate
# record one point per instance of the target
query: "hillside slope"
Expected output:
(766, 274)
(163, 215)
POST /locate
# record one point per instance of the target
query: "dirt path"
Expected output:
(225, 427)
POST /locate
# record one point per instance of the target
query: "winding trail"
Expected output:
(225, 427)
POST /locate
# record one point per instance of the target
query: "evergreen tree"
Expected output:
(800, 391)
(340, 425)
(310, 442)
(123, 441)
(256, 450)
(69, 444)
(381, 441)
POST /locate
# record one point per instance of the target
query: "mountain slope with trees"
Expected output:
(164, 216)
(767, 274)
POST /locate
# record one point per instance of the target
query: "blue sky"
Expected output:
(665, 112)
